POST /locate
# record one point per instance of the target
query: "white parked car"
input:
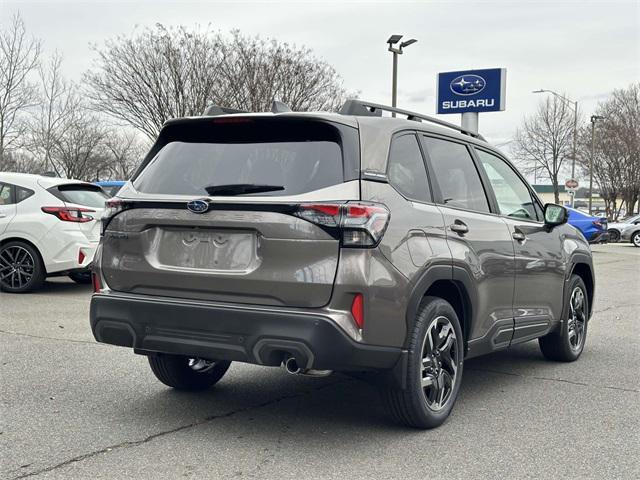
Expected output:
(48, 227)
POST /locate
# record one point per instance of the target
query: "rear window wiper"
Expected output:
(241, 189)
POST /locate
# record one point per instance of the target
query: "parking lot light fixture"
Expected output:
(396, 50)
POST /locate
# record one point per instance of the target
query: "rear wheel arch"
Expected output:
(585, 272)
(456, 295)
(453, 286)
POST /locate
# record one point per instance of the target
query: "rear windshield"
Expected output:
(298, 156)
(86, 195)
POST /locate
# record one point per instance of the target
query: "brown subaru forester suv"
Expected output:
(344, 242)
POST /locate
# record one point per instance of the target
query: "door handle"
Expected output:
(519, 236)
(459, 227)
(3, 215)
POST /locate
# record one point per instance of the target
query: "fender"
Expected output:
(443, 271)
(433, 273)
(577, 258)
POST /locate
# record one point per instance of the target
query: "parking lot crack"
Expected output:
(135, 443)
(42, 337)
(549, 379)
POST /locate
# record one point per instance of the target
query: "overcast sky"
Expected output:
(581, 48)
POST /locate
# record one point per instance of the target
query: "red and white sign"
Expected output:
(571, 184)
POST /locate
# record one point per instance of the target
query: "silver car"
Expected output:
(627, 230)
(325, 242)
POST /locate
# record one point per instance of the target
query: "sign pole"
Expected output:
(470, 121)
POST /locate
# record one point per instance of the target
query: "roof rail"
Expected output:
(370, 109)
(215, 110)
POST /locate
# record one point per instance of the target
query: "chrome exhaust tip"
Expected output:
(290, 364)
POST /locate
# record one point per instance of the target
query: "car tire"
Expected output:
(614, 236)
(81, 278)
(635, 238)
(184, 373)
(423, 403)
(30, 272)
(567, 343)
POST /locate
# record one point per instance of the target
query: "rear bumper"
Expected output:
(599, 237)
(259, 335)
(64, 253)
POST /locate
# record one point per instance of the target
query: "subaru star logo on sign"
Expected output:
(467, 86)
(472, 91)
(198, 206)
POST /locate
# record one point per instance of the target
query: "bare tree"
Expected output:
(256, 71)
(156, 75)
(79, 152)
(616, 162)
(125, 151)
(164, 73)
(21, 162)
(59, 101)
(18, 58)
(544, 140)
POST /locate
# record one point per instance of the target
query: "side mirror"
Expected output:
(555, 214)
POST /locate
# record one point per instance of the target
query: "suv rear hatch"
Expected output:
(189, 226)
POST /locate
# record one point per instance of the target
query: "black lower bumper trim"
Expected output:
(214, 331)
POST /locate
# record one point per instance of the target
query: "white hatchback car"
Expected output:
(48, 227)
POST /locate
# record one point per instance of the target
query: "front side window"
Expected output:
(406, 169)
(456, 174)
(512, 194)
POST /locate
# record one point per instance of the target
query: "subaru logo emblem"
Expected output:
(467, 84)
(198, 206)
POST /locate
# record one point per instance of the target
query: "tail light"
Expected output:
(600, 223)
(70, 214)
(112, 207)
(361, 224)
(95, 281)
(357, 310)
(81, 257)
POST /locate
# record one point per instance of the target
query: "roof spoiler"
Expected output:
(215, 110)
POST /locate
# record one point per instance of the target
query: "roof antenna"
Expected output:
(279, 107)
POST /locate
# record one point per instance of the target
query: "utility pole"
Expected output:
(594, 119)
(394, 39)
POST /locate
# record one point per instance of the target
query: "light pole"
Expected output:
(575, 130)
(594, 119)
(393, 40)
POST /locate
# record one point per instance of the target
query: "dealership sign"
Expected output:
(472, 91)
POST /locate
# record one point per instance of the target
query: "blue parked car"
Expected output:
(111, 187)
(593, 228)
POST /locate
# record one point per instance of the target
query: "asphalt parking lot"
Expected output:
(72, 408)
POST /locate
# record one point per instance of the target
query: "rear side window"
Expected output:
(23, 194)
(512, 194)
(298, 156)
(456, 175)
(406, 169)
(80, 194)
